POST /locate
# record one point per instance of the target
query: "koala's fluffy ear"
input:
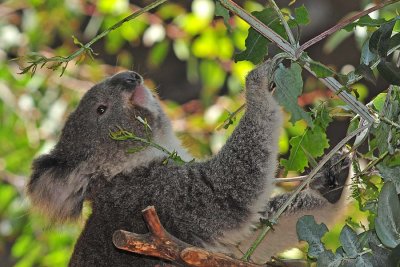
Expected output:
(56, 188)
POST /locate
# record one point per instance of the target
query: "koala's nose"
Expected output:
(130, 79)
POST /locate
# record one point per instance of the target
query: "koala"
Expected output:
(212, 203)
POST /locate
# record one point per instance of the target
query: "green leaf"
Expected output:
(289, 85)
(365, 21)
(328, 259)
(322, 116)
(223, 12)
(256, 44)
(389, 171)
(394, 41)
(314, 140)
(256, 48)
(389, 71)
(379, 41)
(387, 223)
(379, 101)
(367, 56)
(394, 258)
(311, 232)
(381, 255)
(349, 241)
(365, 260)
(370, 22)
(321, 70)
(366, 72)
(386, 135)
(301, 15)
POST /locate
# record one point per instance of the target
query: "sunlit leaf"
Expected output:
(256, 44)
(301, 15)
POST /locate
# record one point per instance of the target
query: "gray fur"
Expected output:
(207, 203)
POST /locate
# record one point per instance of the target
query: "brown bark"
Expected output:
(159, 243)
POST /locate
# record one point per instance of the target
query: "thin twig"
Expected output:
(279, 212)
(341, 25)
(284, 23)
(58, 60)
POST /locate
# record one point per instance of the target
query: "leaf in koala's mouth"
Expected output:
(140, 96)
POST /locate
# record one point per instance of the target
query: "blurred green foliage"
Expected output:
(33, 108)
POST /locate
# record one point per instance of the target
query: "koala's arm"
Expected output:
(224, 194)
(326, 199)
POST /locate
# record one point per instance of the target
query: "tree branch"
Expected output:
(342, 24)
(161, 244)
(267, 32)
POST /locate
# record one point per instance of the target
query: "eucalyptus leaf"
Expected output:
(314, 140)
(348, 239)
(394, 41)
(311, 232)
(394, 258)
(381, 255)
(366, 72)
(289, 85)
(389, 71)
(390, 173)
(256, 44)
(379, 101)
(365, 260)
(386, 135)
(387, 223)
(379, 41)
(304, 149)
(301, 15)
(328, 259)
(367, 56)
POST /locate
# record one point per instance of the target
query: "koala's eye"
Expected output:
(101, 109)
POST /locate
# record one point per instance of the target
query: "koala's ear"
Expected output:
(57, 189)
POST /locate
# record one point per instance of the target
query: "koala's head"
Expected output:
(85, 149)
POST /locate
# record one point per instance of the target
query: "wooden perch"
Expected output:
(161, 244)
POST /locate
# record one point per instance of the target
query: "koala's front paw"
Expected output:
(332, 177)
(261, 75)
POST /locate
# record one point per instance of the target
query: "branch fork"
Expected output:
(161, 244)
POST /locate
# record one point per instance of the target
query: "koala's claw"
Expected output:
(262, 74)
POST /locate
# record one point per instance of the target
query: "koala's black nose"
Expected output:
(130, 79)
